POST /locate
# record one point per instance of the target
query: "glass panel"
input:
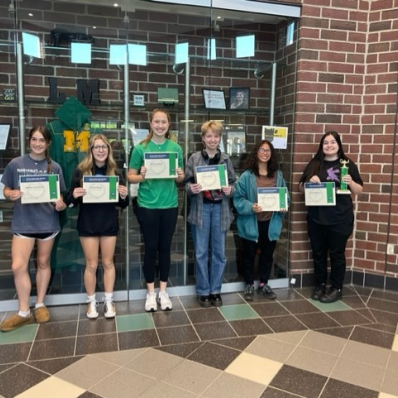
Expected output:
(137, 54)
(76, 100)
(81, 53)
(31, 45)
(245, 46)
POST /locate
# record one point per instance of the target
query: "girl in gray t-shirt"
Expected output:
(32, 223)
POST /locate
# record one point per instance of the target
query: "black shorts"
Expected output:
(43, 236)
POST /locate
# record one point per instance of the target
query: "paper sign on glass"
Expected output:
(322, 194)
(100, 189)
(272, 198)
(39, 188)
(161, 165)
(212, 177)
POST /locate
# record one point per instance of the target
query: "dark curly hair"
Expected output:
(252, 160)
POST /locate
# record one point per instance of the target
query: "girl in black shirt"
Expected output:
(98, 223)
(329, 227)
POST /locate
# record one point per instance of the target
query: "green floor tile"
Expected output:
(22, 335)
(128, 323)
(336, 306)
(237, 312)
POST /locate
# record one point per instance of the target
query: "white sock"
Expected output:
(91, 298)
(24, 314)
(39, 305)
(108, 296)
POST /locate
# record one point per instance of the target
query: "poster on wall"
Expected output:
(138, 135)
(276, 135)
(235, 140)
(1, 188)
(5, 129)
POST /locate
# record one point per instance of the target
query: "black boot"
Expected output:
(318, 291)
(331, 296)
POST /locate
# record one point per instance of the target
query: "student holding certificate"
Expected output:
(98, 223)
(157, 202)
(329, 227)
(32, 223)
(258, 228)
(210, 215)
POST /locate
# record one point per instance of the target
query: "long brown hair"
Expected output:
(47, 138)
(150, 135)
(316, 163)
(87, 164)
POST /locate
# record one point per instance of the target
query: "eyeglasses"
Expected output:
(100, 147)
(263, 150)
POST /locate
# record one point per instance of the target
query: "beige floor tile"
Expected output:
(358, 373)
(192, 376)
(53, 387)
(383, 395)
(395, 343)
(123, 383)
(273, 349)
(366, 353)
(154, 363)
(289, 337)
(323, 342)
(313, 361)
(231, 386)
(390, 383)
(393, 361)
(254, 368)
(87, 372)
(163, 390)
(120, 358)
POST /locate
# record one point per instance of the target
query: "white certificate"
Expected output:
(272, 198)
(323, 194)
(212, 177)
(39, 188)
(161, 164)
(101, 189)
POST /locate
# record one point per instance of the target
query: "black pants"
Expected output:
(267, 248)
(328, 239)
(157, 226)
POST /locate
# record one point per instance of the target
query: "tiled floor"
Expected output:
(293, 347)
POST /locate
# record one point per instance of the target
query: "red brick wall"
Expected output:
(347, 81)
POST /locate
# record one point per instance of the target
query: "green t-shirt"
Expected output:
(156, 193)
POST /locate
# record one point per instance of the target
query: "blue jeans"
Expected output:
(209, 241)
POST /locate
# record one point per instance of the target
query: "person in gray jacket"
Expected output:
(258, 228)
(210, 216)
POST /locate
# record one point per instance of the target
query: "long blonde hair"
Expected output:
(86, 166)
(150, 135)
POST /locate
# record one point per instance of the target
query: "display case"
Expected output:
(77, 97)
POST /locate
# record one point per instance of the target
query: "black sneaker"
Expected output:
(331, 296)
(249, 292)
(318, 292)
(204, 301)
(216, 300)
(267, 292)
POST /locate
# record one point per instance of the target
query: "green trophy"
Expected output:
(343, 172)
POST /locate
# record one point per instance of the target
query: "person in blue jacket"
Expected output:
(258, 228)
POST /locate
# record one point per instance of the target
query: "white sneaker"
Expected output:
(150, 303)
(109, 309)
(92, 312)
(164, 301)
